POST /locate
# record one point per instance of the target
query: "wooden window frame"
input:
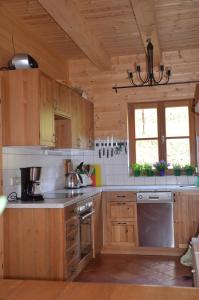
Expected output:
(161, 127)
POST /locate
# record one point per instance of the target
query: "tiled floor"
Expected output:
(137, 269)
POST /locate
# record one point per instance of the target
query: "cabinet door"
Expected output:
(186, 217)
(62, 99)
(47, 130)
(20, 108)
(89, 125)
(76, 120)
(122, 233)
(121, 210)
(97, 226)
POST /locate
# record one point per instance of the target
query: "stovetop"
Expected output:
(62, 195)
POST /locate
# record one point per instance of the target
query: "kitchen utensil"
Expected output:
(73, 180)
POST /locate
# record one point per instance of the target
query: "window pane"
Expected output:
(146, 123)
(177, 121)
(147, 151)
(178, 151)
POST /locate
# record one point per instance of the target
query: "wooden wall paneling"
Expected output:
(66, 14)
(25, 41)
(110, 108)
(144, 11)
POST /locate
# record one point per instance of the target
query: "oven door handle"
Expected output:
(87, 215)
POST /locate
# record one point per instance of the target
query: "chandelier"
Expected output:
(149, 78)
(137, 79)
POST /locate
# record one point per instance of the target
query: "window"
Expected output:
(163, 130)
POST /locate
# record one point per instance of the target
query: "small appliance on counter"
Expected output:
(73, 180)
(30, 184)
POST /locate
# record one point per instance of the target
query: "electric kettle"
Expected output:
(73, 180)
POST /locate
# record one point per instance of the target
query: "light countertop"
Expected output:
(57, 199)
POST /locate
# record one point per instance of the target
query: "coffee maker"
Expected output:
(30, 184)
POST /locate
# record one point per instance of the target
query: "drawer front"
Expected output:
(71, 254)
(122, 233)
(70, 211)
(121, 210)
(120, 196)
(71, 268)
(72, 238)
(72, 225)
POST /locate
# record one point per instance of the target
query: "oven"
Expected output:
(86, 213)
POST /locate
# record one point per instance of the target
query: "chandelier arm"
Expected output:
(132, 81)
(143, 80)
(159, 79)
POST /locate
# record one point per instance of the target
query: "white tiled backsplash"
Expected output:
(114, 169)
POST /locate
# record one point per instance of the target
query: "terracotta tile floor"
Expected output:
(137, 269)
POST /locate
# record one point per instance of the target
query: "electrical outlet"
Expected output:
(15, 181)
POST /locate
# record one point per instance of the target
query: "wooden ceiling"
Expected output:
(114, 24)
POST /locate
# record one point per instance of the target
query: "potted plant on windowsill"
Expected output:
(137, 168)
(147, 170)
(189, 170)
(177, 169)
(161, 166)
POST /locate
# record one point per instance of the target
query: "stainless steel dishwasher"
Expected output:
(155, 219)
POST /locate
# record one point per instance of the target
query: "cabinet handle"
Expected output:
(73, 225)
(71, 253)
(121, 196)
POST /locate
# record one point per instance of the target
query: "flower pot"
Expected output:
(161, 172)
(149, 173)
(136, 173)
(189, 172)
(177, 172)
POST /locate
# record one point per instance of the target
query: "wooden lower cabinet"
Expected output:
(120, 219)
(40, 243)
(186, 217)
(122, 233)
(97, 225)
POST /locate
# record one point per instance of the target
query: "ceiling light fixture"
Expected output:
(137, 80)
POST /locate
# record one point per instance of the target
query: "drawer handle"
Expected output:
(73, 225)
(121, 196)
(71, 253)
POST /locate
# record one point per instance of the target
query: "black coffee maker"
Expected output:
(30, 184)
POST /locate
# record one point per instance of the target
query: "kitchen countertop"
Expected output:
(59, 290)
(57, 199)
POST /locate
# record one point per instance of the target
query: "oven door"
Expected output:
(86, 233)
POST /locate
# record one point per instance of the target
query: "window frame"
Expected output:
(161, 127)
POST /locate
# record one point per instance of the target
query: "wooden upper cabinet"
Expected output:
(47, 128)
(27, 109)
(186, 217)
(82, 117)
(38, 111)
(62, 99)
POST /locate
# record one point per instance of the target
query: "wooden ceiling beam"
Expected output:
(144, 11)
(67, 16)
(15, 35)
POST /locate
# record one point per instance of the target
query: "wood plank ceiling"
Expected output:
(114, 24)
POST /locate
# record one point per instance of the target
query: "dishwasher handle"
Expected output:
(154, 197)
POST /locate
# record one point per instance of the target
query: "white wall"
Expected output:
(114, 169)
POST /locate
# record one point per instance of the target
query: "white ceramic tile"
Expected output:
(182, 179)
(160, 180)
(150, 180)
(140, 180)
(171, 179)
(191, 179)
